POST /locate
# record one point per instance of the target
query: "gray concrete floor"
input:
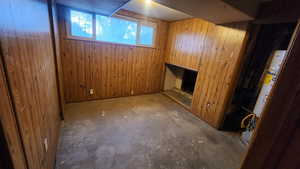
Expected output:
(142, 132)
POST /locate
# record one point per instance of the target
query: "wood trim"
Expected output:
(280, 120)
(56, 49)
(181, 66)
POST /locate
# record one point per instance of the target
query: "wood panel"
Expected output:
(215, 51)
(218, 71)
(30, 68)
(112, 70)
(275, 144)
(9, 124)
(186, 41)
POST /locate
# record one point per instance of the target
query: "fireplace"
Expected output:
(188, 81)
(180, 84)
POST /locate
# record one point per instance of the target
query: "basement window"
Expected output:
(81, 24)
(146, 35)
(116, 29)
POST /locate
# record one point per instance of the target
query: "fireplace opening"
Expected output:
(188, 81)
(180, 84)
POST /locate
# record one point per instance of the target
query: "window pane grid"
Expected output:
(111, 29)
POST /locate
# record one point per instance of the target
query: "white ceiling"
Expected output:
(104, 7)
(155, 10)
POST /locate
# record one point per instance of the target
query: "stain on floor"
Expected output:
(142, 132)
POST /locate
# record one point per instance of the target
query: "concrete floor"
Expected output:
(142, 132)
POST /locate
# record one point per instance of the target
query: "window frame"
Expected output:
(150, 24)
(93, 38)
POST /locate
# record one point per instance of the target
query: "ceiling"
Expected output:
(104, 7)
(216, 11)
(155, 10)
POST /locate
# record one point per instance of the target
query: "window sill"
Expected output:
(104, 42)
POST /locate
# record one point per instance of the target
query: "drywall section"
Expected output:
(111, 70)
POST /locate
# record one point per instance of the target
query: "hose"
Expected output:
(249, 117)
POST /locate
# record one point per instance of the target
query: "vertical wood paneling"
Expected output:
(29, 62)
(215, 51)
(113, 70)
(186, 41)
(9, 123)
(217, 72)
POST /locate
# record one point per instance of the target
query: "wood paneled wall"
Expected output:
(186, 42)
(9, 124)
(215, 51)
(112, 70)
(29, 65)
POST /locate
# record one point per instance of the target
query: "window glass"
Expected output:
(111, 29)
(117, 30)
(81, 24)
(146, 35)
